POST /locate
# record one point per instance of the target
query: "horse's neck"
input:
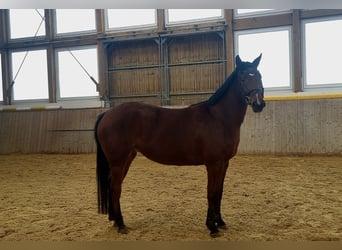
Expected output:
(232, 106)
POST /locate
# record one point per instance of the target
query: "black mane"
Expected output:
(216, 97)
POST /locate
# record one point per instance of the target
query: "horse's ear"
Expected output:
(257, 61)
(238, 61)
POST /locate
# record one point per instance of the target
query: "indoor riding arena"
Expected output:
(59, 73)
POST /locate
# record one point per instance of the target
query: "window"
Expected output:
(20, 27)
(30, 73)
(75, 20)
(274, 44)
(73, 80)
(192, 15)
(125, 18)
(323, 52)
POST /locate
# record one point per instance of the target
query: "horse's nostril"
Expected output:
(258, 107)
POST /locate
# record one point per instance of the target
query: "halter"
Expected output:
(248, 92)
(260, 90)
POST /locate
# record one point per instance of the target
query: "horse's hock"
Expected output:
(53, 197)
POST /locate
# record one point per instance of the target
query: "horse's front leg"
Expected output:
(216, 174)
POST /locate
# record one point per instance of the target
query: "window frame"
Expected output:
(192, 21)
(269, 12)
(266, 30)
(27, 38)
(305, 85)
(130, 27)
(29, 100)
(74, 33)
(59, 98)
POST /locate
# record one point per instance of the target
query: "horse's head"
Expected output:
(251, 84)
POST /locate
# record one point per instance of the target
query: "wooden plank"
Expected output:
(50, 23)
(102, 59)
(6, 76)
(52, 74)
(229, 42)
(161, 20)
(290, 131)
(100, 22)
(312, 138)
(195, 27)
(198, 78)
(4, 27)
(135, 53)
(305, 14)
(195, 48)
(135, 82)
(301, 122)
(331, 126)
(152, 100)
(262, 22)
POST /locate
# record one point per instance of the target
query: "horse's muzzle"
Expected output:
(258, 106)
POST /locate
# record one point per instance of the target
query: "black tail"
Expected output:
(102, 173)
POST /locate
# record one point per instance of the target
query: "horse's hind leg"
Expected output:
(130, 158)
(117, 175)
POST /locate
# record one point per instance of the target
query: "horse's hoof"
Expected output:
(123, 230)
(215, 234)
(223, 227)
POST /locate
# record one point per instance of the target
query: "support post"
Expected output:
(6, 59)
(50, 27)
(296, 53)
(229, 40)
(164, 71)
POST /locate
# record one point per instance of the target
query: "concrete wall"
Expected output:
(284, 127)
(294, 127)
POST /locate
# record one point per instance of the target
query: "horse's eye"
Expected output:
(251, 74)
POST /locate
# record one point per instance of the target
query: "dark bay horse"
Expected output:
(206, 133)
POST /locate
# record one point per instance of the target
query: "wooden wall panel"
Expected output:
(47, 131)
(152, 100)
(284, 127)
(134, 71)
(195, 48)
(294, 127)
(196, 78)
(196, 67)
(134, 53)
(194, 64)
(135, 82)
(184, 99)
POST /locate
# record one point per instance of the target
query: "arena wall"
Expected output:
(284, 127)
